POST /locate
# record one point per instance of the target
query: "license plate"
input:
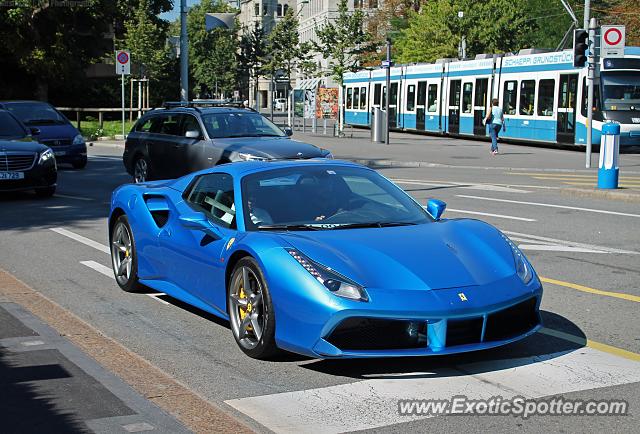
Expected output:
(11, 175)
(60, 153)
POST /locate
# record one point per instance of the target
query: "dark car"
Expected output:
(24, 164)
(55, 130)
(172, 142)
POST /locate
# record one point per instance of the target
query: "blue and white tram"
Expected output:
(543, 96)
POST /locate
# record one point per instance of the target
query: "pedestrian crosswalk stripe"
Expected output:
(373, 403)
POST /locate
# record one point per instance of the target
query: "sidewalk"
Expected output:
(49, 385)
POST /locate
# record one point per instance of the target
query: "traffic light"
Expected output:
(580, 46)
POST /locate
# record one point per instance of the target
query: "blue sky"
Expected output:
(173, 15)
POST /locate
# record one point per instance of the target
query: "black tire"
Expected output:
(46, 192)
(142, 171)
(80, 164)
(128, 281)
(258, 347)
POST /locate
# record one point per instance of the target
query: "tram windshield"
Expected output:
(621, 90)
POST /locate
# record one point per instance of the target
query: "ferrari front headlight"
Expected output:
(523, 269)
(332, 281)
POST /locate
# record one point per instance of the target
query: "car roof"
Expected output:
(200, 110)
(23, 101)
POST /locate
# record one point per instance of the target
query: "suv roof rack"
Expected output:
(197, 103)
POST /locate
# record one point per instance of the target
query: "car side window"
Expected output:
(190, 123)
(213, 195)
(146, 125)
(168, 124)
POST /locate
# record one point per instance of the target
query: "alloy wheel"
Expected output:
(246, 308)
(122, 253)
(140, 171)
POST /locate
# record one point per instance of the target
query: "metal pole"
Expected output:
(139, 98)
(587, 14)
(593, 24)
(386, 140)
(272, 90)
(122, 76)
(184, 53)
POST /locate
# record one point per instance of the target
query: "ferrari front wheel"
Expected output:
(123, 255)
(251, 310)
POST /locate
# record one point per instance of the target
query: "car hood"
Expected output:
(270, 147)
(446, 254)
(21, 146)
(56, 132)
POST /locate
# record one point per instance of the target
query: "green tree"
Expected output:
(145, 38)
(343, 41)
(251, 57)
(212, 60)
(285, 51)
(492, 26)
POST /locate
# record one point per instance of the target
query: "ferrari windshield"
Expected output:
(239, 124)
(325, 197)
(621, 90)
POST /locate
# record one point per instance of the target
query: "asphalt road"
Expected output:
(587, 249)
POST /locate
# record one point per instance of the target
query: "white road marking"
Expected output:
(374, 403)
(66, 196)
(109, 273)
(600, 211)
(464, 185)
(84, 240)
(462, 211)
(533, 242)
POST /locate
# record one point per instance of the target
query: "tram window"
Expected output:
(363, 98)
(384, 97)
(349, 98)
(527, 97)
(432, 98)
(596, 98)
(509, 95)
(422, 92)
(377, 92)
(466, 97)
(356, 98)
(546, 91)
(393, 94)
(411, 97)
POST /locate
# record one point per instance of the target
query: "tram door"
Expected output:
(567, 108)
(480, 106)
(420, 106)
(455, 88)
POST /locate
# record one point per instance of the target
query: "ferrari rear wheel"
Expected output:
(251, 310)
(123, 255)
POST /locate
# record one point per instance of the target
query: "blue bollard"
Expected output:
(609, 150)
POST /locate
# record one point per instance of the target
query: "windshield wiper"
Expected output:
(372, 225)
(288, 228)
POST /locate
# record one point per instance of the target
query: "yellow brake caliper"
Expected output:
(244, 311)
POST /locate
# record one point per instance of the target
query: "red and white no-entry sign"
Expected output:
(123, 62)
(612, 41)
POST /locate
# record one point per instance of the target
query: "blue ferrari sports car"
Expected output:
(323, 258)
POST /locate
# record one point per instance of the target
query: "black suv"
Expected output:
(182, 138)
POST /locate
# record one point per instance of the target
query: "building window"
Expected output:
(257, 9)
(527, 97)
(265, 9)
(279, 9)
(467, 92)
(373, 4)
(358, 4)
(411, 97)
(285, 8)
(432, 98)
(509, 97)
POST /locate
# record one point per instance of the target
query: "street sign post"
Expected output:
(123, 67)
(612, 41)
